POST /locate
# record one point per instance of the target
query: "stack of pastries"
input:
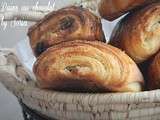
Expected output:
(72, 54)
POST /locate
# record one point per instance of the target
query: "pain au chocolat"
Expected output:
(63, 25)
(138, 34)
(154, 73)
(112, 9)
(87, 66)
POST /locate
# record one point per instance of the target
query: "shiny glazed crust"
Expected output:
(87, 66)
(112, 9)
(65, 24)
(138, 34)
(154, 73)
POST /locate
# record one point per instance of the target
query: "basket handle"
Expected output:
(11, 66)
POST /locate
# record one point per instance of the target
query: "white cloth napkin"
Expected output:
(25, 54)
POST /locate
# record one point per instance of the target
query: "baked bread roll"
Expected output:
(87, 66)
(65, 24)
(138, 34)
(112, 9)
(154, 73)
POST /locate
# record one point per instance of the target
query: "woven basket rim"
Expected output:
(100, 98)
(29, 88)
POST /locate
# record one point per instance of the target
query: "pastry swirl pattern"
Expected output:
(87, 66)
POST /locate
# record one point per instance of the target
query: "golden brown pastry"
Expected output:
(65, 24)
(112, 9)
(138, 34)
(87, 66)
(154, 73)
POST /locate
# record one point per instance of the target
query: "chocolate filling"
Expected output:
(66, 23)
(72, 68)
(40, 47)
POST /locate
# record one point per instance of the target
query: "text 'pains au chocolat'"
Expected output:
(154, 73)
(138, 34)
(87, 66)
(65, 24)
(112, 9)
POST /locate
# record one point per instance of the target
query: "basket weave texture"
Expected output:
(30, 114)
(75, 106)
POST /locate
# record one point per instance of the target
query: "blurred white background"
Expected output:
(9, 37)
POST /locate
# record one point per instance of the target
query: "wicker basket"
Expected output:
(38, 103)
(41, 104)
